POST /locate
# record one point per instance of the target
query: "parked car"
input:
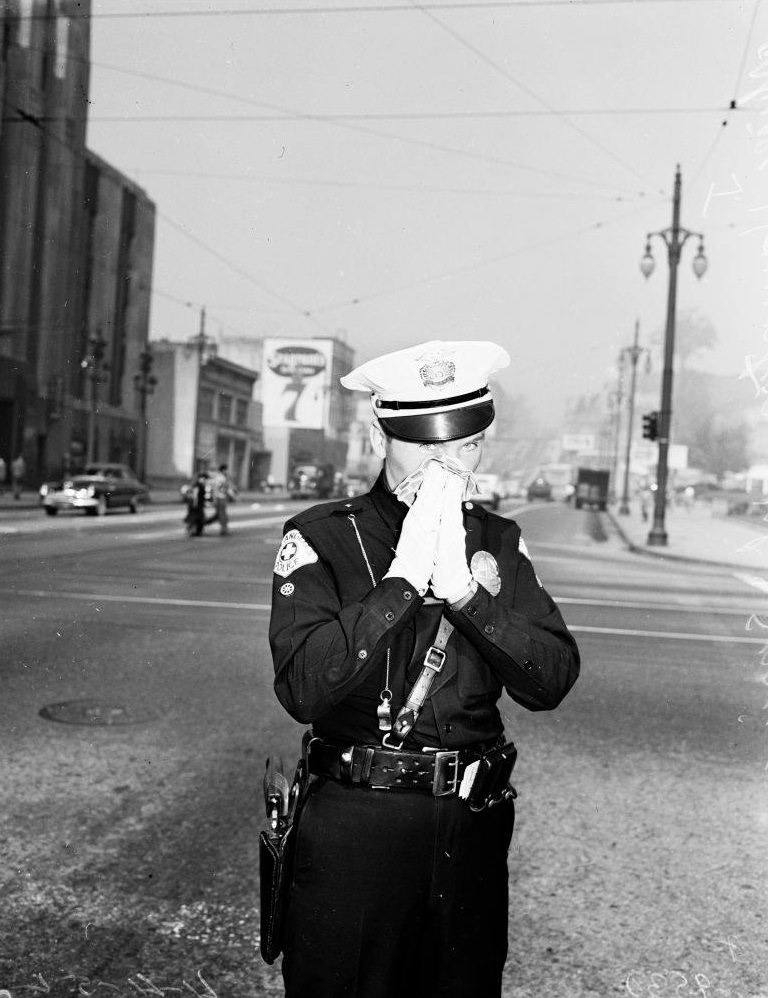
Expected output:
(98, 488)
(356, 485)
(312, 481)
(539, 489)
(490, 490)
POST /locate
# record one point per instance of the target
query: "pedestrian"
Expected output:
(18, 471)
(3, 472)
(197, 498)
(223, 493)
(646, 502)
(398, 618)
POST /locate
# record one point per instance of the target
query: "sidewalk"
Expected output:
(159, 497)
(698, 534)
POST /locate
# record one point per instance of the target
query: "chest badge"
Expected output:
(485, 571)
(294, 552)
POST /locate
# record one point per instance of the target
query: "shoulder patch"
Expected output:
(294, 552)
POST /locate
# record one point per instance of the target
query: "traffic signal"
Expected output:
(651, 426)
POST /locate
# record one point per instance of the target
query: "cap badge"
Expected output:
(437, 371)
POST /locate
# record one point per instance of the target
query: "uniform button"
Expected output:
(489, 628)
(528, 665)
(362, 653)
(468, 505)
(389, 615)
(407, 594)
(471, 610)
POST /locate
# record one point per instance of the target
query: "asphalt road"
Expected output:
(130, 808)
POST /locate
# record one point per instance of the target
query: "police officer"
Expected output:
(398, 618)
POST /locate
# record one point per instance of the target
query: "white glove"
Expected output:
(415, 552)
(451, 578)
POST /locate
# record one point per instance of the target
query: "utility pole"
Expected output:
(617, 398)
(144, 382)
(93, 364)
(201, 342)
(634, 353)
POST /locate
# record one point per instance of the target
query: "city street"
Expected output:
(138, 712)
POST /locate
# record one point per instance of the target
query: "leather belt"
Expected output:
(438, 773)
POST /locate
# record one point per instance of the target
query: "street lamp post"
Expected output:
(144, 382)
(674, 238)
(634, 353)
(93, 364)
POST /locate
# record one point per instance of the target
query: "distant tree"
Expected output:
(718, 446)
(694, 332)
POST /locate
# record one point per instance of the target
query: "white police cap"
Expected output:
(434, 391)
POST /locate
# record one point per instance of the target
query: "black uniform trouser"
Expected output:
(397, 892)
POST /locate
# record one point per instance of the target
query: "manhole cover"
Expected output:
(96, 712)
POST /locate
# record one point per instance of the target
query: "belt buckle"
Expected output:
(434, 659)
(444, 760)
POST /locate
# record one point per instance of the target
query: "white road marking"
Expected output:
(752, 580)
(149, 600)
(673, 635)
(159, 518)
(631, 605)
(234, 527)
(266, 607)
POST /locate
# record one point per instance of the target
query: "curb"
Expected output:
(663, 554)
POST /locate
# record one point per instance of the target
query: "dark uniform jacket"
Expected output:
(333, 631)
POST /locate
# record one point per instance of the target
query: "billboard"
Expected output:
(582, 443)
(296, 382)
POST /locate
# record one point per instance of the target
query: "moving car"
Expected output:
(560, 478)
(539, 489)
(99, 488)
(490, 490)
(512, 488)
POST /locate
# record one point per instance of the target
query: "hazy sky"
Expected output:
(402, 171)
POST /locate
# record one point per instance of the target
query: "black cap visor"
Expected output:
(435, 427)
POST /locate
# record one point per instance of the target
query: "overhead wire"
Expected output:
(359, 128)
(219, 306)
(465, 268)
(372, 8)
(236, 268)
(242, 272)
(302, 116)
(332, 117)
(733, 107)
(395, 188)
(292, 114)
(528, 91)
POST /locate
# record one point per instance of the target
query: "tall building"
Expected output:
(202, 415)
(76, 243)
